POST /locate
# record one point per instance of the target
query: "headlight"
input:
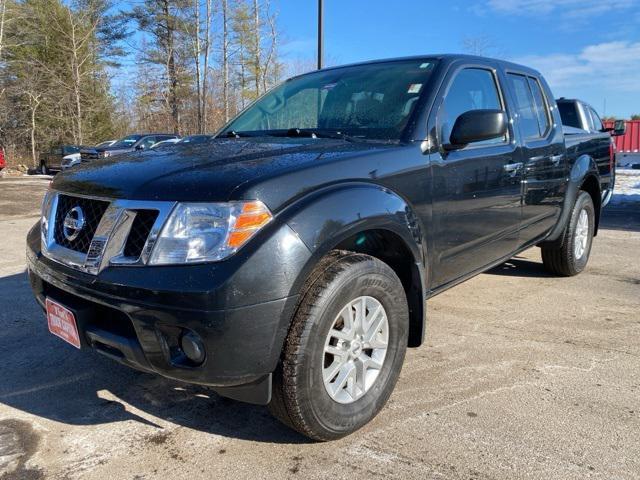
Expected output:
(105, 154)
(208, 232)
(44, 218)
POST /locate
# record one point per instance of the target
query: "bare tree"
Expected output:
(206, 53)
(225, 59)
(256, 40)
(271, 64)
(481, 45)
(3, 12)
(79, 32)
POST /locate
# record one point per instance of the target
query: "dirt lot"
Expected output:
(523, 376)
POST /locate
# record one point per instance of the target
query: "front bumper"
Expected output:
(136, 315)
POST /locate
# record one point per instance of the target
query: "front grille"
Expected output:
(93, 211)
(140, 230)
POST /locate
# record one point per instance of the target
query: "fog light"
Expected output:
(192, 347)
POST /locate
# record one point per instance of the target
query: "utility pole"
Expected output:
(320, 32)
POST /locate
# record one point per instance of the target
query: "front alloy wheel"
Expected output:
(345, 347)
(355, 349)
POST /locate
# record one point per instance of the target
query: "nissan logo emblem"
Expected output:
(73, 223)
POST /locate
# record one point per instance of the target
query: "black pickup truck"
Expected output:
(287, 261)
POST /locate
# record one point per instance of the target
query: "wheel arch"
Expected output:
(370, 219)
(583, 174)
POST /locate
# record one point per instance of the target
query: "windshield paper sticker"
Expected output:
(414, 88)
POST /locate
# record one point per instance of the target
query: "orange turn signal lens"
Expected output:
(252, 220)
(254, 215)
(237, 239)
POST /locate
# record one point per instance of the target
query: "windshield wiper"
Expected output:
(234, 134)
(297, 132)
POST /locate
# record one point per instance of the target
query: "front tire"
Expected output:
(570, 256)
(345, 348)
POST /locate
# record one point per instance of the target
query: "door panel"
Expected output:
(476, 207)
(477, 189)
(542, 153)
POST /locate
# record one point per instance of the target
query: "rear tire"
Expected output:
(370, 348)
(570, 256)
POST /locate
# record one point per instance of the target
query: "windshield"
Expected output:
(196, 139)
(127, 141)
(373, 101)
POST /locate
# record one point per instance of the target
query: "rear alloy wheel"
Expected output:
(570, 256)
(345, 348)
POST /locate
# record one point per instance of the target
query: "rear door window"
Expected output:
(597, 123)
(525, 106)
(542, 111)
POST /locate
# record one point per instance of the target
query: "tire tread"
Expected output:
(285, 404)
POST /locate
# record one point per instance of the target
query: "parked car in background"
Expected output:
(579, 114)
(51, 161)
(130, 143)
(106, 143)
(580, 118)
(3, 162)
(195, 139)
(164, 143)
(289, 262)
(70, 160)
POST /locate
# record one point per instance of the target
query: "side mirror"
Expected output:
(140, 147)
(478, 125)
(619, 128)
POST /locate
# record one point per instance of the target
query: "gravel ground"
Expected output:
(523, 375)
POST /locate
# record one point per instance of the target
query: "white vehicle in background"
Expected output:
(70, 160)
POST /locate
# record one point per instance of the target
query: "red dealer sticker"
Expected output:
(62, 323)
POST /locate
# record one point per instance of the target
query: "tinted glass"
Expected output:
(569, 114)
(196, 139)
(372, 101)
(127, 141)
(597, 123)
(148, 141)
(471, 89)
(542, 111)
(525, 106)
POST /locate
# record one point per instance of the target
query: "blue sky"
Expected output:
(588, 49)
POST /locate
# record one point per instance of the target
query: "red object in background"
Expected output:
(630, 141)
(3, 163)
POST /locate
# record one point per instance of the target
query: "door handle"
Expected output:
(512, 168)
(555, 159)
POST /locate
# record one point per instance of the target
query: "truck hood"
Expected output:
(204, 172)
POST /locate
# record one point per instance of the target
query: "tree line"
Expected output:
(84, 71)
